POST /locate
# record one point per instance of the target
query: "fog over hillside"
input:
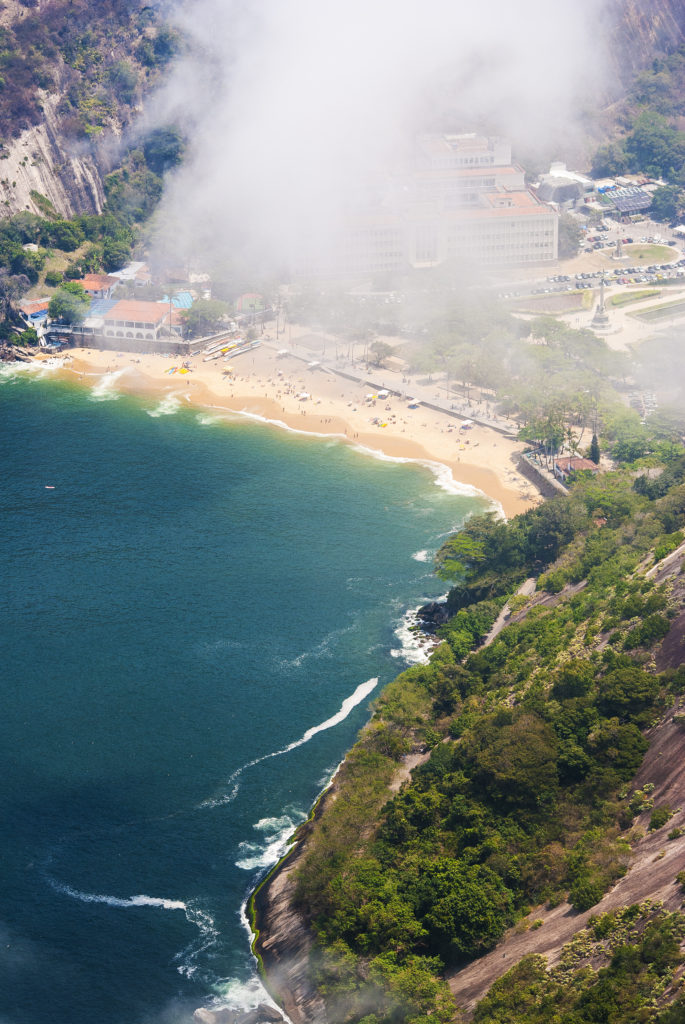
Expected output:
(291, 108)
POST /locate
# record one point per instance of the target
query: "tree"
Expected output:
(69, 303)
(594, 450)
(163, 149)
(12, 287)
(464, 907)
(64, 234)
(667, 203)
(379, 350)
(115, 254)
(204, 315)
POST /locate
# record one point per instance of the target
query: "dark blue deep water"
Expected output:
(191, 596)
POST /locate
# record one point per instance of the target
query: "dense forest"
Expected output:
(523, 797)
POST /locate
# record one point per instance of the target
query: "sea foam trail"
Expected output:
(421, 556)
(116, 901)
(104, 390)
(233, 782)
(188, 959)
(167, 407)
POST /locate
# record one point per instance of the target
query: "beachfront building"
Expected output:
(133, 318)
(462, 200)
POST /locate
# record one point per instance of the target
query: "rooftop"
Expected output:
(98, 282)
(137, 310)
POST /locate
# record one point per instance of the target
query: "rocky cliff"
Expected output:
(73, 77)
(639, 31)
(43, 167)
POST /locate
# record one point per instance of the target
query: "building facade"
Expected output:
(462, 200)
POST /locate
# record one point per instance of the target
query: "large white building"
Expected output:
(462, 200)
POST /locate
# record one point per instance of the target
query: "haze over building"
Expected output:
(460, 198)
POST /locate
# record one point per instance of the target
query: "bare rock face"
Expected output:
(640, 30)
(41, 162)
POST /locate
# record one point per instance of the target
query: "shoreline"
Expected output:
(267, 386)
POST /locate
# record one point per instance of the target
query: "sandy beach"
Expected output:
(269, 384)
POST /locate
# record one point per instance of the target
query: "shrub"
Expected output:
(660, 815)
(585, 892)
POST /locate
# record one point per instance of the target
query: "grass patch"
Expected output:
(627, 297)
(43, 203)
(650, 253)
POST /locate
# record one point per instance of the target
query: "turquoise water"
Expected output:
(190, 597)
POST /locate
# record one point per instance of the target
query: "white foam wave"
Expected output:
(285, 426)
(189, 959)
(167, 407)
(104, 390)
(39, 367)
(443, 474)
(277, 832)
(232, 784)
(206, 420)
(243, 996)
(115, 901)
(421, 556)
(415, 648)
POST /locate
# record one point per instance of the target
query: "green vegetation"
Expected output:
(639, 949)
(74, 47)
(523, 795)
(651, 140)
(70, 303)
(205, 315)
(627, 297)
(650, 253)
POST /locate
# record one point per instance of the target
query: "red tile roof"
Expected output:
(138, 311)
(98, 282)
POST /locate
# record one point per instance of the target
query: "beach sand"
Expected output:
(268, 384)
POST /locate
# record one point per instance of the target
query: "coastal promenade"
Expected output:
(435, 395)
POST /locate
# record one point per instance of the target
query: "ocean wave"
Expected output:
(414, 648)
(285, 426)
(232, 783)
(40, 367)
(421, 556)
(277, 832)
(242, 996)
(442, 474)
(169, 405)
(104, 390)
(116, 901)
(205, 420)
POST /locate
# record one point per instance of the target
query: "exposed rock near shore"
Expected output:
(432, 615)
(284, 941)
(262, 1014)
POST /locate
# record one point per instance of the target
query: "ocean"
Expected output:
(196, 613)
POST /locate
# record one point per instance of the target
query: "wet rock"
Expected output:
(432, 615)
(262, 1014)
